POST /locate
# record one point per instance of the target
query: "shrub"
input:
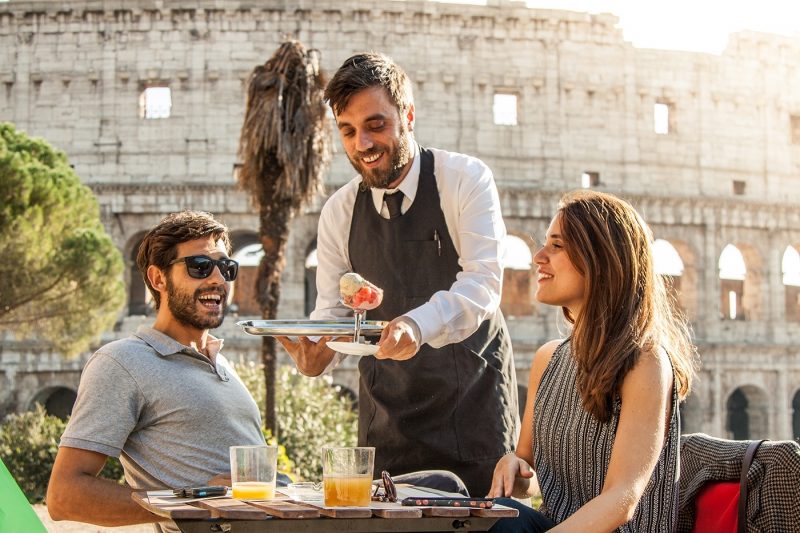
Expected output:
(311, 413)
(28, 447)
(285, 464)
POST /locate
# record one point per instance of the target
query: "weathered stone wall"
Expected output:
(73, 71)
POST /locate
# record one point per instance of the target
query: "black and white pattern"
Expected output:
(773, 481)
(572, 451)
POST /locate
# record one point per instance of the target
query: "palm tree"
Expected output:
(285, 149)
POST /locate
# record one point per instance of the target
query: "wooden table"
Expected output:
(215, 515)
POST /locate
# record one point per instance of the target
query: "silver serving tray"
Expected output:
(310, 328)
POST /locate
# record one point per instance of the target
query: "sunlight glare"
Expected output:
(516, 254)
(791, 266)
(249, 256)
(731, 264)
(666, 259)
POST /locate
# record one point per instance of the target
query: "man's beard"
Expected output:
(184, 307)
(378, 177)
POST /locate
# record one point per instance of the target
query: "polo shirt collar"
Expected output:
(165, 345)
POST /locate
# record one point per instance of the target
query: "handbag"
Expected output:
(721, 506)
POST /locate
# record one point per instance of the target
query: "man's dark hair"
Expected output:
(363, 71)
(159, 245)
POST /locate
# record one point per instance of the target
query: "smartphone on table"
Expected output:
(201, 492)
(438, 501)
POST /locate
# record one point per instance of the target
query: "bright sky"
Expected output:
(695, 25)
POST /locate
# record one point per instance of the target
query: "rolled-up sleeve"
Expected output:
(471, 206)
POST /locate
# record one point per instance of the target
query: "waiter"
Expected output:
(425, 226)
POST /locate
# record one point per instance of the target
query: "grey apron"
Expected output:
(452, 408)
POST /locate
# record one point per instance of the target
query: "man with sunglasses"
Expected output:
(164, 400)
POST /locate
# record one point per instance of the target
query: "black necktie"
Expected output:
(393, 202)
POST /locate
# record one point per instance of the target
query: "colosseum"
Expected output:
(147, 97)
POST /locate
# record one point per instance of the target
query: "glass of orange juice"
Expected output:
(253, 470)
(347, 475)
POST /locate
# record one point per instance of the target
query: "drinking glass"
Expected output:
(347, 475)
(253, 471)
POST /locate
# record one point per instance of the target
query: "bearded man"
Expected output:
(425, 226)
(164, 400)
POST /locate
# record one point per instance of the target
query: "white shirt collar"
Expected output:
(408, 186)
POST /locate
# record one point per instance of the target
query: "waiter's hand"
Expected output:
(311, 358)
(399, 340)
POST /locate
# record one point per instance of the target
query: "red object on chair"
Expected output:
(716, 508)
(721, 506)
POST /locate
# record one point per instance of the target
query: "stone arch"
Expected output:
(747, 413)
(517, 296)
(790, 269)
(245, 248)
(683, 285)
(310, 277)
(57, 401)
(740, 288)
(139, 297)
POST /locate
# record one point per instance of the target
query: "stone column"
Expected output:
(718, 403)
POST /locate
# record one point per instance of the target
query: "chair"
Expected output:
(757, 479)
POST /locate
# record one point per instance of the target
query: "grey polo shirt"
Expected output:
(164, 409)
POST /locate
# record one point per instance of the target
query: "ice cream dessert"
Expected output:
(358, 293)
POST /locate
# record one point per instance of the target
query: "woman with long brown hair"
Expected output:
(601, 424)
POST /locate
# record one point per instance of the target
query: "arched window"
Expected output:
(516, 253)
(791, 282)
(517, 258)
(668, 263)
(747, 413)
(738, 419)
(243, 298)
(57, 401)
(732, 273)
(666, 258)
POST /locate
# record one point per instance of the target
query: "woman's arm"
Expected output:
(646, 396)
(513, 473)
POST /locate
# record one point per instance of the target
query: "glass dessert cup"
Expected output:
(360, 314)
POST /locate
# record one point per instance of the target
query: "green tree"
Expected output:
(285, 150)
(62, 274)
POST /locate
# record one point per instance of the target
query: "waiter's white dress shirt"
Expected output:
(471, 207)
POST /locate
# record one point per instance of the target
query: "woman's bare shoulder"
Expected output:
(548, 349)
(652, 370)
(542, 358)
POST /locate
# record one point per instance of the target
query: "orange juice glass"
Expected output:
(253, 490)
(347, 475)
(253, 471)
(347, 491)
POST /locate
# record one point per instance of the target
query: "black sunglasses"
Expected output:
(201, 266)
(389, 493)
